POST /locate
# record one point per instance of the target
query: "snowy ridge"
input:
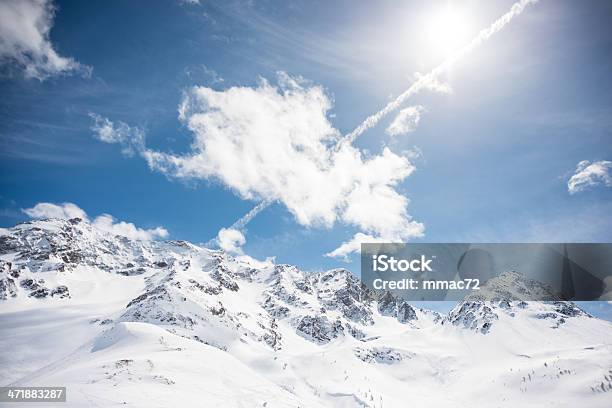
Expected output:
(474, 313)
(94, 311)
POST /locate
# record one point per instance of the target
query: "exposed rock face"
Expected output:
(222, 275)
(389, 305)
(338, 289)
(568, 309)
(60, 291)
(7, 288)
(560, 312)
(405, 313)
(321, 306)
(382, 355)
(512, 285)
(480, 315)
(474, 316)
(7, 280)
(319, 329)
(39, 293)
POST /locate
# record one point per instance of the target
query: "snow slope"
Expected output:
(158, 324)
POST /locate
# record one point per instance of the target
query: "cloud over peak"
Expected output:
(231, 240)
(48, 210)
(589, 174)
(104, 222)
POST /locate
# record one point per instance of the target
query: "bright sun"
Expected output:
(447, 31)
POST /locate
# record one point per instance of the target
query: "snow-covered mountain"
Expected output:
(156, 324)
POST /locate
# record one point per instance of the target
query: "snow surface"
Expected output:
(162, 324)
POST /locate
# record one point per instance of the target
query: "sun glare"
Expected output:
(446, 31)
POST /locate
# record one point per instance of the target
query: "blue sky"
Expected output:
(496, 153)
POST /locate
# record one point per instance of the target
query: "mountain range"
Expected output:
(122, 322)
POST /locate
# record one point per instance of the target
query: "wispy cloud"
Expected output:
(24, 40)
(104, 222)
(130, 138)
(589, 174)
(203, 73)
(285, 40)
(588, 224)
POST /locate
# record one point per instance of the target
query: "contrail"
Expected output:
(246, 218)
(427, 79)
(243, 221)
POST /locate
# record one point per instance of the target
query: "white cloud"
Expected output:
(231, 240)
(589, 174)
(275, 143)
(130, 138)
(49, 210)
(104, 222)
(24, 40)
(406, 121)
(353, 245)
(202, 72)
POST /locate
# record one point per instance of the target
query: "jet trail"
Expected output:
(427, 79)
(246, 218)
(242, 221)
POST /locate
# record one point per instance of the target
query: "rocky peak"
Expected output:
(507, 296)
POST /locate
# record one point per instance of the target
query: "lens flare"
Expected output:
(447, 30)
